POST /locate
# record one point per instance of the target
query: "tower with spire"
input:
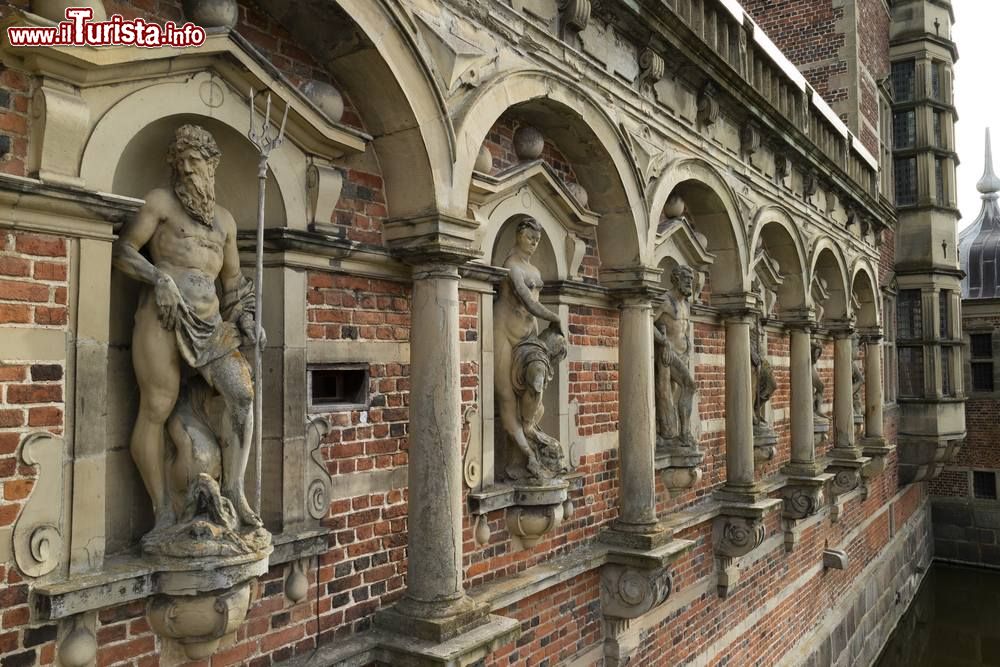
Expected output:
(979, 243)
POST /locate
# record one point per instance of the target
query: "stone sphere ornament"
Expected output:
(528, 143)
(484, 161)
(326, 97)
(78, 649)
(212, 13)
(55, 10)
(579, 194)
(482, 530)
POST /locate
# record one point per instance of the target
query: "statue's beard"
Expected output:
(197, 195)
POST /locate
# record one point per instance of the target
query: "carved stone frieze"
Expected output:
(38, 534)
(630, 592)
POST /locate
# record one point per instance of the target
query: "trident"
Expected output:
(266, 141)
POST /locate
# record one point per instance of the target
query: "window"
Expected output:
(981, 358)
(984, 484)
(938, 134)
(904, 125)
(936, 78)
(890, 371)
(906, 181)
(944, 308)
(911, 371)
(910, 315)
(947, 386)
(903, 81)
(939, 182)
(338, 387)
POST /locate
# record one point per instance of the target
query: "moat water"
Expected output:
(954, 621)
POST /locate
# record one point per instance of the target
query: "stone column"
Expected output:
(739, 406)
(803, 442)
(873, 389)
(435, 600)
(637, 434)
(843, 391)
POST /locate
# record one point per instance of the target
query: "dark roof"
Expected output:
(979, 243)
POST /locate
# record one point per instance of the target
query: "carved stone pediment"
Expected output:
(647, 150)
(458, 51)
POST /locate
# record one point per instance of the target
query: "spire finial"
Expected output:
(989, 184)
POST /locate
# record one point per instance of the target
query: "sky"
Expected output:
(976, 32)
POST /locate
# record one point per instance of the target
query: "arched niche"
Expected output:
(144, 121)
(365, 44)
(829, 270)
(139, 170)
(865, 305)
(587, 137)
(678, 244)
(709, 208)
(548, 262)
(776, 234)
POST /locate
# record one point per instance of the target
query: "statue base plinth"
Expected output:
(436, 621)
(644, 537)
(679, 467)
(765, 444)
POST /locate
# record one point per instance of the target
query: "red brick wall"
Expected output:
(594, 386)
(806, 31)
(592, 326)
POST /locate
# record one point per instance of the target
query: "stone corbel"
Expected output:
(629, 592)
(323, 187)
(576, 248)
(59, 133)
(804, 496)
(847, 473)
(832, 200)
(38, 534)
(749, 140)
(782, 168)
(573, 18)
(538, 511)
(708, 105)
(652, 69)
(736, 532)
(810, 184)
(319, 488)
(199, 623)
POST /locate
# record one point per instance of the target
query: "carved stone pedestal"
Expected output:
(765, 445)
(538, 510)
(821, 431)
(804, 496)
(679, 467)
(878, 451)
(848, 468)
(736, 532)
(199, 623)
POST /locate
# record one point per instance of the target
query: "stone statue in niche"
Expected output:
(857, 382)
(675, 384)
(195, 386)
(524, 362)
(762, 375)
(817, 381)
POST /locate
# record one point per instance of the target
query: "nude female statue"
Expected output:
(520, 355)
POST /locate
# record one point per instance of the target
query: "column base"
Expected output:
(468, 648)
(644, 537)
(848, 472)
(433, 621)
(878, 450)
(740, 494)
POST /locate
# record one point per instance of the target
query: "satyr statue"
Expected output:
(185, 345)
(762, 377)
(817, 381)
(675, 384)
(524, 361)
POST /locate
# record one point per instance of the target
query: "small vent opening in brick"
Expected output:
(984, 484)
(338, 386)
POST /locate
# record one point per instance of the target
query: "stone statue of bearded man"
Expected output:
(181, 319)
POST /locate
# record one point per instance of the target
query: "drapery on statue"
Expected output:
(762, 375)
(675, 385)
(185, 345)
(857, 380)
(817, 381)
(524, 362)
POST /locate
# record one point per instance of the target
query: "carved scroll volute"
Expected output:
(749, 140)
(38, 535)
(628, 592)
(319, 488)
(573, 17)
(652, 70)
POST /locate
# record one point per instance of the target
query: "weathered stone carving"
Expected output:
(323, 187)
(38, 535)
(628, 592)
(736, 536)
(817, 382)
(857, 383)
(320, 487)
(524, 362)
(652, 70)
(802, 499)
(296, 582)
(191, 243)
(708, 105)
(528, 143)
(749, 140)
(763, 384)
(79, 647)
(573, 18)
(810, 184)
(199, 622)
(675, 384)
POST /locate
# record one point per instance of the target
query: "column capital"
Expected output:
(432, 238)
(800, 319)
(739, 306)
(870, 335)
(842, 328)
(633, 279)
(435, 269)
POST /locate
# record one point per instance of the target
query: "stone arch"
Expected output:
(827, 263)
(413, 138)
(115, 158)
(865, 302)
(775, 231)
(588, 138)
(712, 211)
